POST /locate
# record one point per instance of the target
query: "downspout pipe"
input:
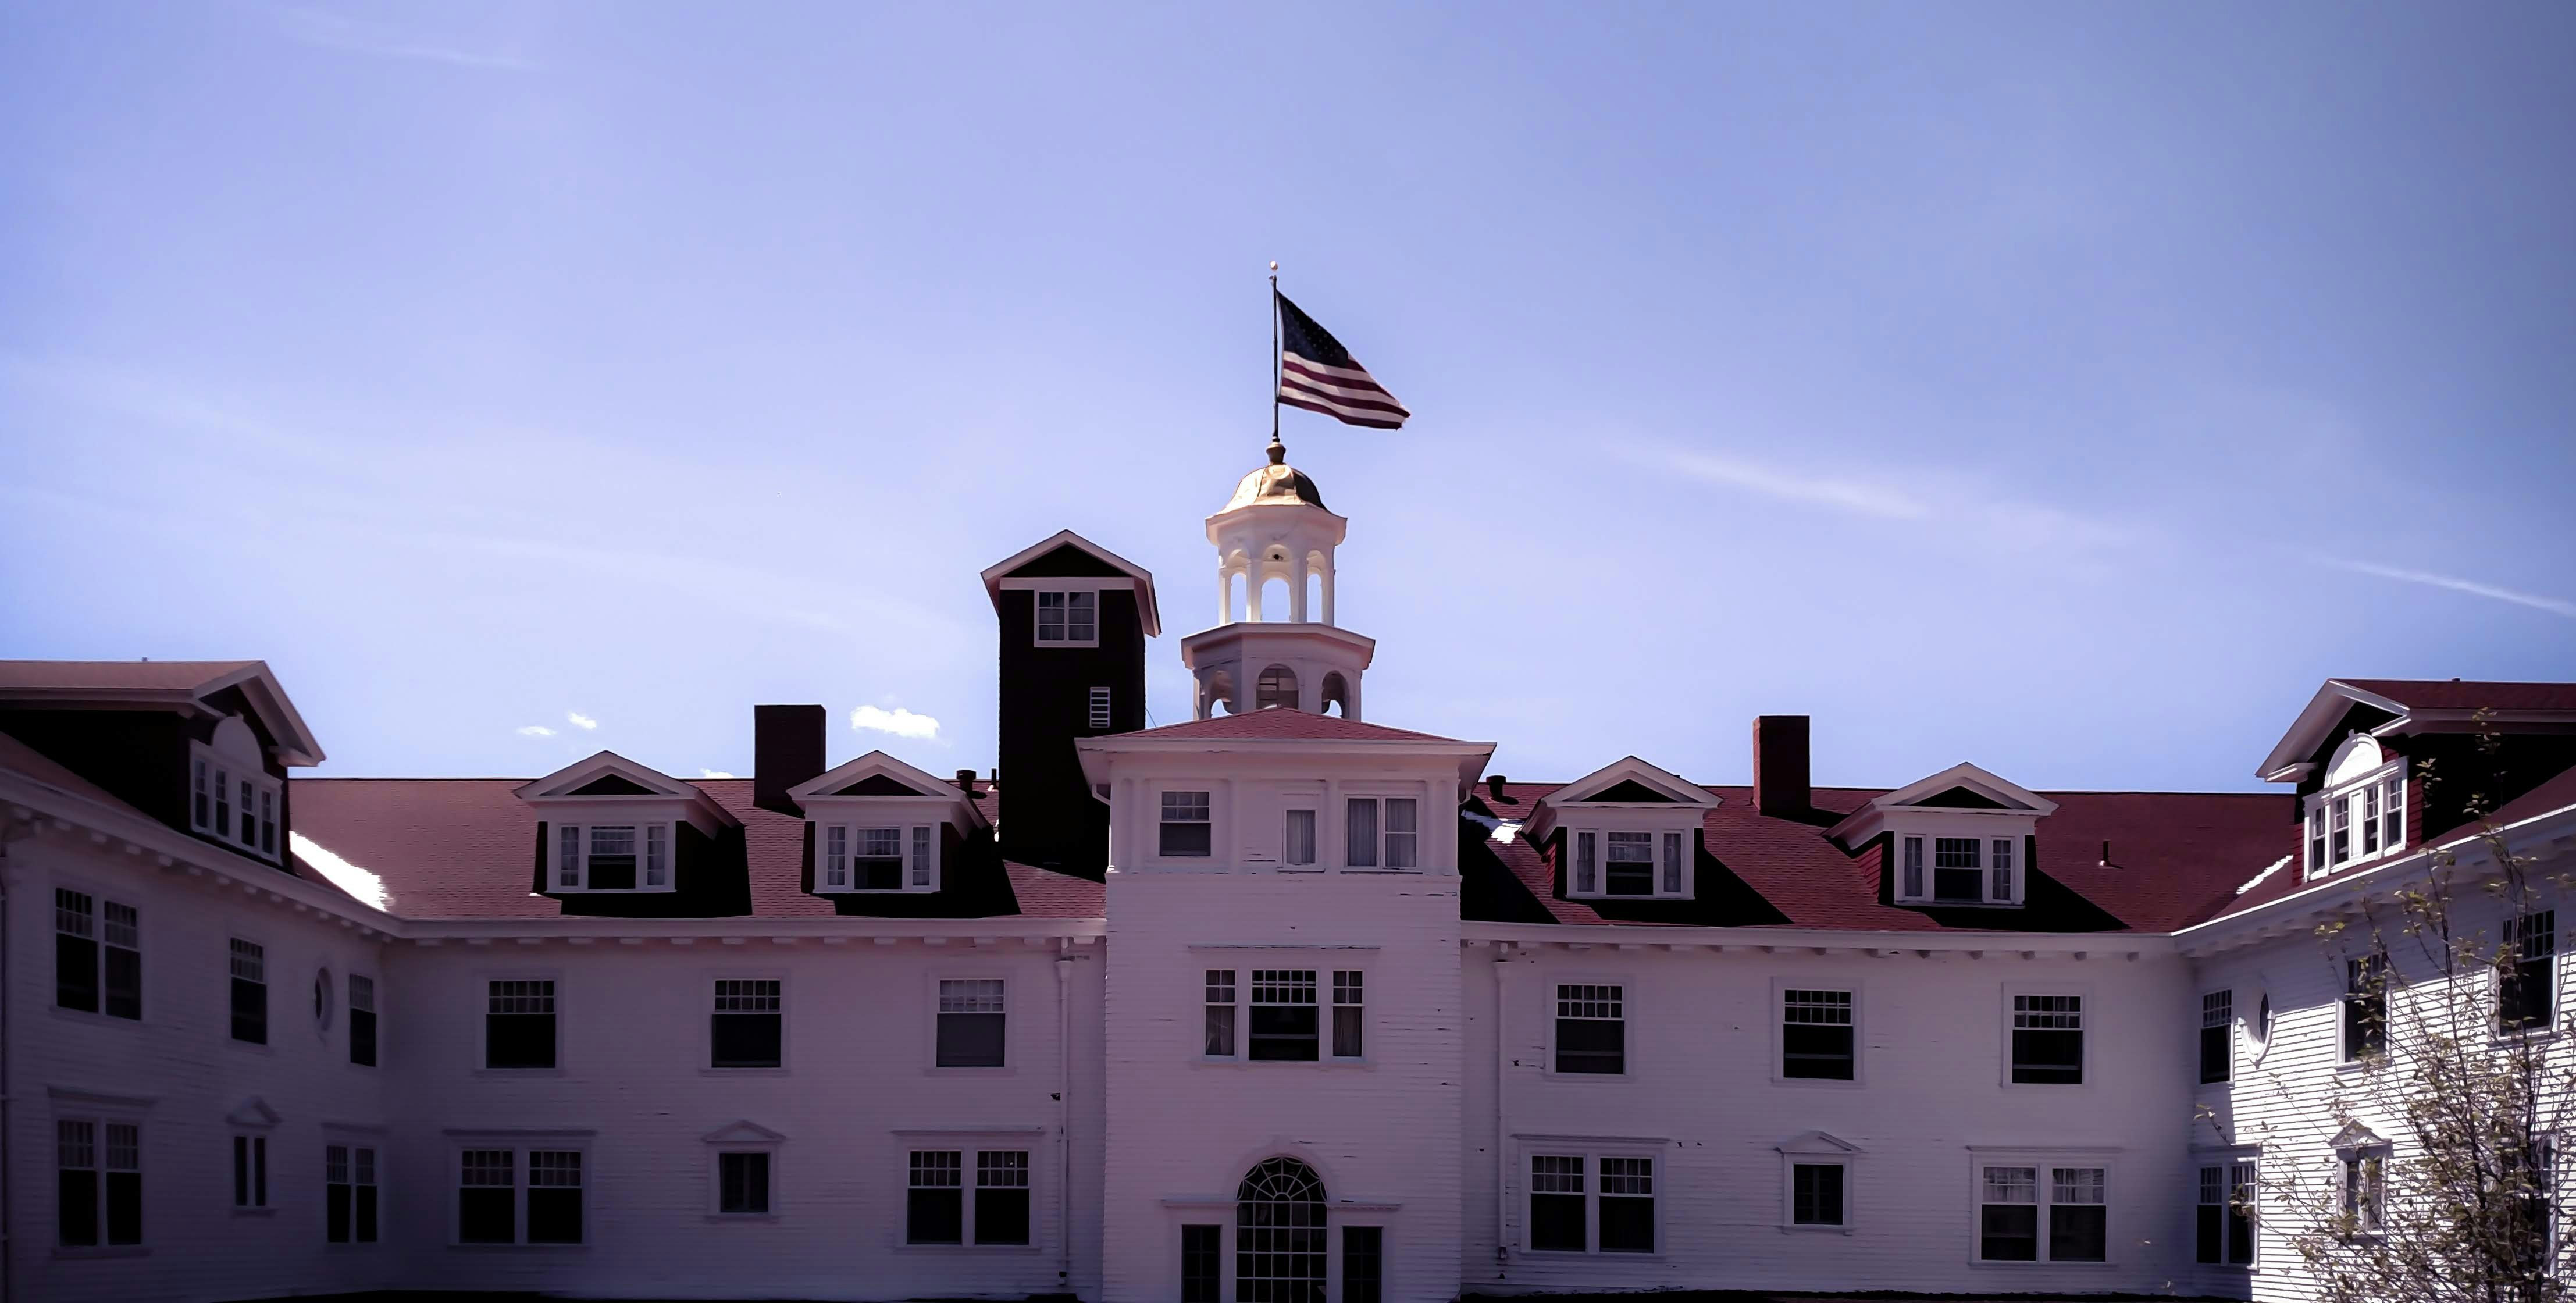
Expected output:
(1502, 1115)
(1064, 961)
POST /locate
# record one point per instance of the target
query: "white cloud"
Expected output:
(713, 773)
(580, 720)
(337, 32)
(2553, 605)
(536, 730)
(1942, 502)
(898, 721)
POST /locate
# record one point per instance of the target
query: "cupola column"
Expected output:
(1297, 590)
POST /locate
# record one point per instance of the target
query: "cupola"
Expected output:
(1276, 646)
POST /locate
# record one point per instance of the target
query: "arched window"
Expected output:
(1337, 696)
(1279, 1234)
(1277, 686)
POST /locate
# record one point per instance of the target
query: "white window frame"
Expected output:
(223, 778)
(2361, 1188)
(247, 1170)
(2084, 1010)
(2002, 848)
(1670, 848)
(2225, 1009)
(2045, 1163)
(970, 1147)
(656, 847)
(1310, 806)
(1065, 623)
(102, 1161)
(91, 923)
(372, 1168)
(2386, 785)
(715, 993)
(716, 1152)
(1385, 847)
(1593, 1149)
(1790, 1162)
(1627, 1020)
(1780, 988)
(1010, 1061)
(1159, 794)
(2345, 1056)
(521, 1146)
(922, 845)
(483, 1014)
(2546, 1028)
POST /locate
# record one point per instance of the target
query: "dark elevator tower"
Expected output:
(1074, 618)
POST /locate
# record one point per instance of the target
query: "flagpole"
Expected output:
(1274, 354)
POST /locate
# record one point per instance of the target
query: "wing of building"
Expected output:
(1282, 1002)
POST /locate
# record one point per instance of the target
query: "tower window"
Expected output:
(1100, 709)
(1069, 619)
(1186, 831)
(1277, 686)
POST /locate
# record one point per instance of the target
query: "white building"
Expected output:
(1275, 1004)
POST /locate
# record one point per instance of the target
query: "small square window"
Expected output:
(1186, 830)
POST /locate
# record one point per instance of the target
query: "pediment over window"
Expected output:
(608, 787)
(742, 1132)
(604, 774)
(1962, 790)
(1817, 1142)
(1628, 784)
(2356, 1136)
(880, 777)
(252, 1114)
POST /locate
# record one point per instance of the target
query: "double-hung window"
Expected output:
(1816, 1042)
(98, 955)
(250, 1171)
(1912, 884)
(613, 857)
(878, 863)
(2012, 1199)
(233, 800)
(2365, 1009)
(742, 1183)
(362, 1020)
(1069, 619)
(1381, 832)
(1297, 847)
(2048, 1040)
(98, 1183)
(1220, 1013)
(519, 1024)
(2357, 820)
(972, 1023)
(1591, 1029)
(747, 1028)
(1349, 1006)
(349, 1194)
(850, 857)
(1570, 1211)
(494, 1205)
(1628, 863)
(1186, 832)
(2527, 979)
(1957, 869)
(1283, 1018)
(2217, 1036)
(1818, 1193)
(2223, 1218)
(936, 1207)
(249, 992)
(1284, 1024)
(2363, 1182)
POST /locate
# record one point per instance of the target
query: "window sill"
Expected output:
(2087, 1265)
(520, 1248)
(250, 1047)
(351, 1246)
(75, 1253)
(1830, 1083)
(1551, 1074)
(1002, 1070)
(742, 1217)
(779, 1070)
(524, 1073)
(1014, 1249)
(91, 1018)
(255, 1212)
(1346, 1064)
(2360, 1065)
(2503, 1039)
(1816, 1230)
(1592, 1255)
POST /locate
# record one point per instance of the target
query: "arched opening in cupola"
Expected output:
(1277, 686)
(1336, 696)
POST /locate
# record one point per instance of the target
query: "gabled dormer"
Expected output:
(610, 826)
(1630, 831)
(881, 826)
(1960, 837)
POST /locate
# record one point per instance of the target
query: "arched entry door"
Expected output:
(1279, 1234)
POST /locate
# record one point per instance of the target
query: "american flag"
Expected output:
(1318, 374)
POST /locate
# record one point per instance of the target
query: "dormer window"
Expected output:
(1625, 832)
(1069, 618)
(857, 857)
(1624, 862)
(2360, 812)
(1960, 837)
(230, 795)
(613, 857)
(1964, 870)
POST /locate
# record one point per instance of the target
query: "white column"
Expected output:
(1224, 594)
(1328, 589)
(1297, 590)
(1252, 579)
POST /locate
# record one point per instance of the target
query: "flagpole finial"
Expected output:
(1278, 450)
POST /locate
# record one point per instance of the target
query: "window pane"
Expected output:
(1591, 1034)
(1363, 1264)
(1002, 1197)
(1301, 837)
(610, 859)
(1348, 997)
(554, 1197)
(2048, 1039)
(1913, 868)
(1816, 1035)
(1816, 1194)
(935, 1206)
(1586, 847)
(2077, 1221)
(1399, 832)
(1185, 826)
(486, 1204)
(1284, 1023)
(2008, 1221)
(1672, 864)
(2217, 1035)
(1629, 869)
(743, 1183)
(1220, 1013)
(1360, 849)
(1557, 1219)
(1627, 1205)
(1202, 1263)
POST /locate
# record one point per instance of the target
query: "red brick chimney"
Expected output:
(1780, 785)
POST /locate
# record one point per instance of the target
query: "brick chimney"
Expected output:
(1780, 785)
(786, 749)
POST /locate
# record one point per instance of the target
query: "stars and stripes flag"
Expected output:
(1318, 374)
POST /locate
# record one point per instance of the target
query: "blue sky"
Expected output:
(2063, 388)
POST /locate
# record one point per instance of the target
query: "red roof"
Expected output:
(2453, 694)
(1287, 724)
(2175, 858)
(115, 676)
(466, 848)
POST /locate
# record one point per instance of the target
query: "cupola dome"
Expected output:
(1276, 483)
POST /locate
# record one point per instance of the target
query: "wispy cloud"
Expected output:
(898, 721)
(357, 36)
(713, 773)
(580, 720)
(536, 730)
(1945, 504)
(2553, 605)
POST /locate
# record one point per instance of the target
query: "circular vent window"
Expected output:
(322, 1001)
